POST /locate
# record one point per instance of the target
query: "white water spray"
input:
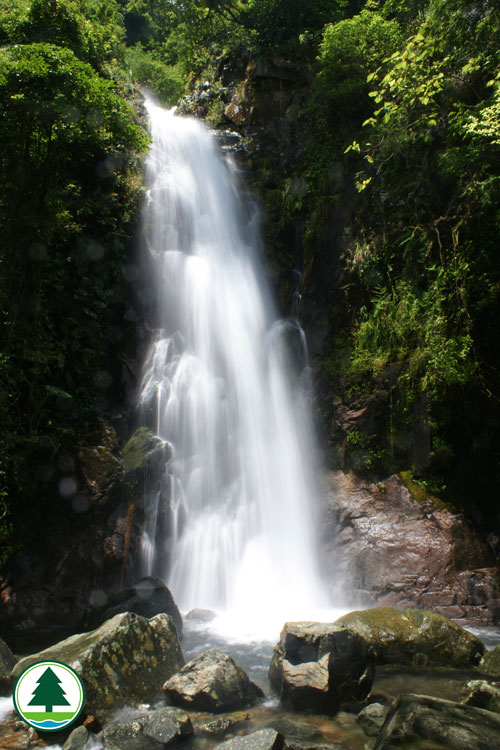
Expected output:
(221, 384)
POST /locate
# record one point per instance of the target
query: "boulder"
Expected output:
(201, 615)
(490, 663)
(392, 546)
(128, 736)
(147, 597)
(126, 660)
(416, 717)
(7, 662)
(168, 726)
(372, 718)
(77, 740)
(264, 739)
(414, 637)
(319, 666)
(212, 682)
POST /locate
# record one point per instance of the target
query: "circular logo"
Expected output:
(49, 695)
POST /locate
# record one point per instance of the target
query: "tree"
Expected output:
(49, 692)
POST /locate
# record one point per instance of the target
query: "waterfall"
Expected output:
(222, 384)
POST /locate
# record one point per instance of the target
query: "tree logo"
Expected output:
(49, 695)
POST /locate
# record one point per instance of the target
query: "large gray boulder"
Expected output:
(448, 724)
(319, 666)
(126, 660)
(415, 637)
(212, 682)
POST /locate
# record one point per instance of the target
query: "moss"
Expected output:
(420, 494)
(138, 449)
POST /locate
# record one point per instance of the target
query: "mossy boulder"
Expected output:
(126, 660)
(143, 450)
(490, 663)
(413, 636)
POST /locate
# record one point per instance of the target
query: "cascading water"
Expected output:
(221, 385)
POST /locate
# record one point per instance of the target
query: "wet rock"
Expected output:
(168, 726)
(319, 666)
(77, 739)
(201, 615)
(147, 597)
(216, 727)
(264, 739)
(306, 686)
(128, 736)
(490, 663)
(124, 661)
(413, 717)
(391, 548)
(372, 718)
(101, 467)
(7, 662)
(143, 450)
(483, 695)
(414, 637)
(212, 682)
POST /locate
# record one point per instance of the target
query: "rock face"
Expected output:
(413, 717)
(147, 597)
(388, 548)
(7, 662)
(212, 682)
(318, 666)
(414, 637)
(47, 590)
(124, 661)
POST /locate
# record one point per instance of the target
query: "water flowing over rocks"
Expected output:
(212, 682)
(416, 717)
(126, 660)
(389, 548)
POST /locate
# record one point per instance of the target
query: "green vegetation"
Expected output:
(69, 186)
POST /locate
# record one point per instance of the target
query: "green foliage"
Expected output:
(166, 81)
(349, 50)
(405, 325)
(68, 194)
(92, 29)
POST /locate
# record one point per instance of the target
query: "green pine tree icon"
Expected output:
(49, 693)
